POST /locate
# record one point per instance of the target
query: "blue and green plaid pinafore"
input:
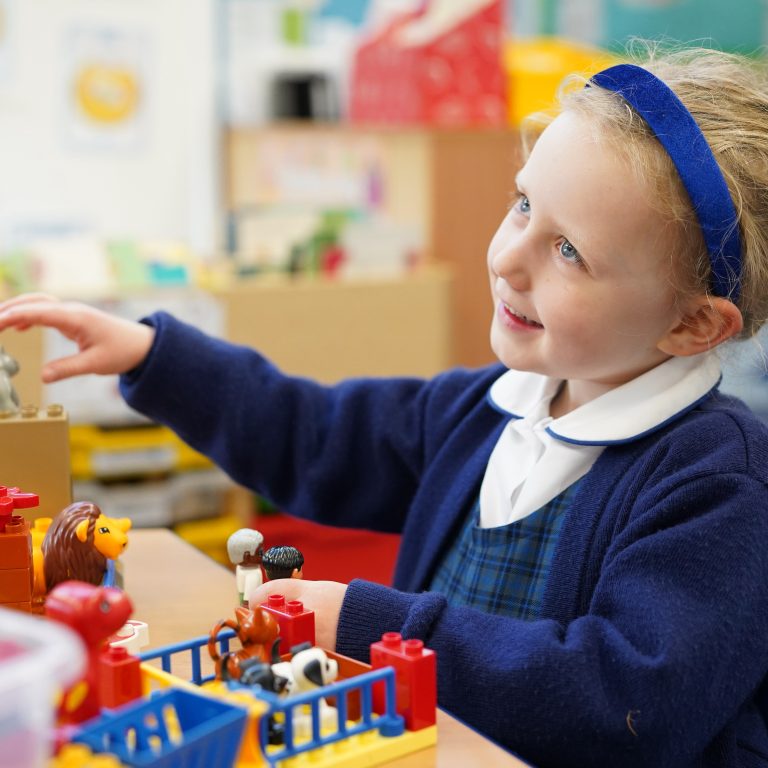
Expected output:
(503, 570)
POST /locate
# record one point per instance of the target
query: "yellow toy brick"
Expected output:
(34, 453)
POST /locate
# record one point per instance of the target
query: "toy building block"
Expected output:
(94, 613)
(16, 569)
(81, 756)
(296, 624)
(34, 453)
(133, 636)
(415, 678)
(119, 675)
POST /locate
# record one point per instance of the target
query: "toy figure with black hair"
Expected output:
(282, 562)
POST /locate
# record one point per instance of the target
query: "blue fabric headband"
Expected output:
(684, 142)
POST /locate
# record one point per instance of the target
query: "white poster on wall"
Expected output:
(6, 39)
(105, 87)
(109, 122)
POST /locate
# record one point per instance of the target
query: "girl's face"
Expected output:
(580, 267)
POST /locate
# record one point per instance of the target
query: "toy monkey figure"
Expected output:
(257, 632)
(283, 562)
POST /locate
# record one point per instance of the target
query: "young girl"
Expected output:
(585, 525)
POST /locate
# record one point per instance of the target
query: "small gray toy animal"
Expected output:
(9, 400)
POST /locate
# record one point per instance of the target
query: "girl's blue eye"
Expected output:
(523, 204)
(569, 253)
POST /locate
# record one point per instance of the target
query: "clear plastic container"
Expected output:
(37, 659)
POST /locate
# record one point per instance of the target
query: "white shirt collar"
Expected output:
(636, 408)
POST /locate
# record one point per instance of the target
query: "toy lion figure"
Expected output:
(78, 543)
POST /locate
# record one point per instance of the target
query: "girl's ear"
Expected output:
(707, 322)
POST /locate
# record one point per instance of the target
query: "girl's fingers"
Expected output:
(27, 298)
(66, 367)
(67, 320)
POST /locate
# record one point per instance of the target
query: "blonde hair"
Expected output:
(727, 94)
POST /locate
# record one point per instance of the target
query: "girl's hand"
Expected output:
(106, 344)
(322, 597)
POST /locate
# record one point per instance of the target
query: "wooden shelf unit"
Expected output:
(455, 185)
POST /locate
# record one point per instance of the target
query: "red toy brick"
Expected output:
(21, 500)
(6, 510)
(15, 585)
(415, 678)
(296, 624)
(119, 677)
(15, 544)
(16, 573)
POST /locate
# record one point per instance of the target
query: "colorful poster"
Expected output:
(105, 87)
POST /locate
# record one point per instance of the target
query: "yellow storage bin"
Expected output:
(536, 67)
(102, 453)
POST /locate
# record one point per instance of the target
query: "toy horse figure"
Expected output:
(9, 400)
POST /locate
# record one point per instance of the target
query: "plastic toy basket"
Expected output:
(37, 659)
(175, 728)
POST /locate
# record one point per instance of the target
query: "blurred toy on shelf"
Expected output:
(284, 61)
(9, 367)
(437, 64)
(245, 552)
(283, 562)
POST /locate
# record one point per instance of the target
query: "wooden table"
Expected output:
(181, 593)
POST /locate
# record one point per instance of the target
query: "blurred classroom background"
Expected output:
(316, 178)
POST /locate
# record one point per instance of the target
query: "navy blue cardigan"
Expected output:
(653, 644)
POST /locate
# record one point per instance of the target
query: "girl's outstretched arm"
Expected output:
(106, 344)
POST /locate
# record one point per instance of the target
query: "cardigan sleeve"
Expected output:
(347, 455)
(672, 645)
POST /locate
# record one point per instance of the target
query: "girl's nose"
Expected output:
(511, 260)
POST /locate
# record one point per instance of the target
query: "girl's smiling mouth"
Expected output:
(514, 319)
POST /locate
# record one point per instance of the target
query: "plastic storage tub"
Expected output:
(38, 658)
